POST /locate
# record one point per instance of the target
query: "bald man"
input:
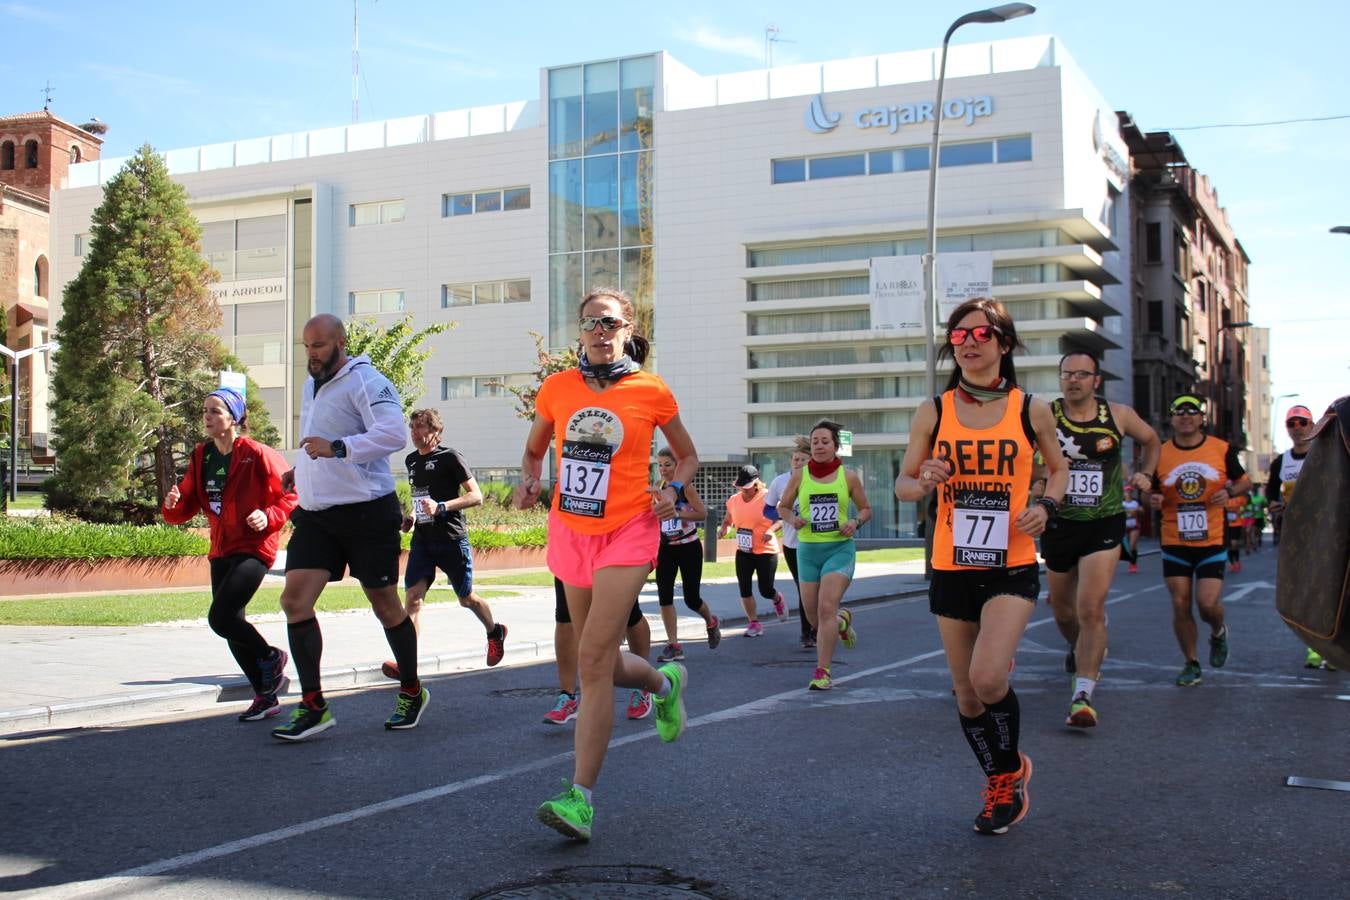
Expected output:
(348, 517)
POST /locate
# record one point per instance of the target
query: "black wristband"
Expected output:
(1051, 505)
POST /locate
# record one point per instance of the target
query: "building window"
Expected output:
(468, 387)
(838, 166)
(494, 200)
(1152, 243)
(74, 154)
(966, 154)
(7, 155)
(477, 293)
(786, 171)
(384, 212)
(905, 159)
(369, 302)
(1014, 149)
(40, 277)
(1155, 317)
(81, 244)
(30, 154)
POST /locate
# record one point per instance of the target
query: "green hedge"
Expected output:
(53, 537)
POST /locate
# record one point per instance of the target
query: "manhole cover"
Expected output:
(589, 882)
(527, 693)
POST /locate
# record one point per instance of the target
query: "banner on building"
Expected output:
(897, 293)
(961, 277)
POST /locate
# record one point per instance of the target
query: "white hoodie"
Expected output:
(359, 407)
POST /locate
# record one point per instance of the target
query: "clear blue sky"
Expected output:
(179, 74)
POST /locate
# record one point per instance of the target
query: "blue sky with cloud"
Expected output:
(177, 75)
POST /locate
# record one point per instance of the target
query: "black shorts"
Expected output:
(962, 595)
(1065, 542)
(1202, 562)
(563, 617)
(361, 536)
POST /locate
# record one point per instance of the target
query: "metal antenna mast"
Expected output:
(356, 61)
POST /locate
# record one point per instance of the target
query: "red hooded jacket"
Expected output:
(252, 482)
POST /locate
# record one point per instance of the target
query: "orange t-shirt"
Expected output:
(747, 518)
(989, 487)
(1189, 477)
(603, 446)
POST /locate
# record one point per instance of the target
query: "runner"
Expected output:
(1081, 545)
(681, 550)
(236, 483)
(1130, 548)
(1284, 471)
(1256, 513)
(348, 517)
(801, 452)
(826, 552)
(1197, 475)
(565, 655)
(443, 487)
(978, 441)
(756, 547)
(1234, 531)
(604, 526)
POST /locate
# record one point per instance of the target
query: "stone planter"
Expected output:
(491, 558)
(62, 576)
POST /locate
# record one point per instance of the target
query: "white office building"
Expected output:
(740, 211)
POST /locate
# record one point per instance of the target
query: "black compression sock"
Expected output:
(307, 650)
(403, 641)
(979, 734)
(1006, 718)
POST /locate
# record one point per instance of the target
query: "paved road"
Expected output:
(867, 791)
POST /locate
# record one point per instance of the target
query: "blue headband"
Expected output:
(234, 402)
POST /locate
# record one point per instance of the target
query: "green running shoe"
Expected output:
(670, 718)
(1218, 649)
(847, 635)
(408, 710)
(568, 814)
(820, 680)
(1314, 660)
(1190, 675)
(305, 723)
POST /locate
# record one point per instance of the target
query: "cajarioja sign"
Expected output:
(890, 118)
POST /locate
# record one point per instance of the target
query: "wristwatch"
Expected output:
(339, 450)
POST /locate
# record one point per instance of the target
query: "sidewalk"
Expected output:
(74, 677)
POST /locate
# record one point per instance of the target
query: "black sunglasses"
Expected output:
(1299, 421)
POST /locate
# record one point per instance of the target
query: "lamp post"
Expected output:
(15, 356)
(930, 312)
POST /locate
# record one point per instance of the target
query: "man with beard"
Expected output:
(348, 517)
(1082, 544)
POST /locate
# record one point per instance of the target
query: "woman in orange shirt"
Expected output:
(756, 547)
(604, 525)
(976, 444)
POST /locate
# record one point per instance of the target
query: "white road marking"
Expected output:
(127, 878)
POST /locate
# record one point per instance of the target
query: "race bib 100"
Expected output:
(980, 528)
(745, 540)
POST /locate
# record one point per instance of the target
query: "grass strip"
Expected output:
(149, 608)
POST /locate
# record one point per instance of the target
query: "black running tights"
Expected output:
(688, 559)
(234, 580)
(763, 565)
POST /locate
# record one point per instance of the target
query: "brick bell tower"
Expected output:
(37, 150)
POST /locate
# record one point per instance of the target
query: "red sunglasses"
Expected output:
(982, 334)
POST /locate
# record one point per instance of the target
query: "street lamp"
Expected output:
(15, 356)
(930, 313)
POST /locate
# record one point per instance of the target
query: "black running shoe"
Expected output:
(273, 668)
(305, 723)
(1006, 800)
(408, 710)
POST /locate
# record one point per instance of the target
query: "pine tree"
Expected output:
(137, 350)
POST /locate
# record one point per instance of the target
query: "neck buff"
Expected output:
(822, 470)
(972, 393)
(607, 371)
